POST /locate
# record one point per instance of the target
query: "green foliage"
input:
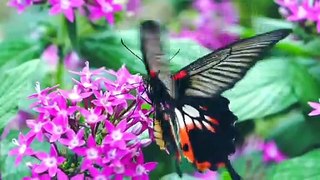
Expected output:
(265, 90)
(13, 83)
(106, 48)
(18, 51)
(303, 167)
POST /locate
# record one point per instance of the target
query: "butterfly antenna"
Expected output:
(122, 42)
(174, 55)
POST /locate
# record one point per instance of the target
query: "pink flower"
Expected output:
(50, 57)
(92, 116)
(23, 148)
(117, 136)
(72, 61)
(49, 162)
(75, 95)
(66, 7)
(56, 128)
(106, 9)
(73, 140)
(21, 5)
(316, 108)
(272, 153)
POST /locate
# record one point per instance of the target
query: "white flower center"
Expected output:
(273, 152)
(100, 177)
(57, 130)
(74, 142)
(74, 96)
(302, 13)
(116, 135)
(50, 162)
(107, 8)
(92, 153)
(140, 170)
(65, 4)
(22, 148)
(92, 118)
(119, 169)
(37, 127)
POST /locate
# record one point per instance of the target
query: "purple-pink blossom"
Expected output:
(271, 153)
(100, 122)
(301, 11)
(104, 9)
(65, 7)
(316, 108)
(210, 28)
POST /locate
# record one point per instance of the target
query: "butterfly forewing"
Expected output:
(220, 70)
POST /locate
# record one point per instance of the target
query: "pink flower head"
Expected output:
(56, 128)
(300, 12)
(49, 162)
(42, 96)
(21, 5)
(316, 108)
(92, 116)
(36, 128)
(65, 7)
(92, 153)
(72, 61)
(23, 148)
(106, 9)
(50, 57)
(76, 94)
(272, 153)
(116, 134)
(73, 140)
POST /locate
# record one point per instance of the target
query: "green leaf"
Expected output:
(303, 167)
(294, 134)
(250, 165)
(265, 90)
(18, 51)
(13, 82)
(106, 48)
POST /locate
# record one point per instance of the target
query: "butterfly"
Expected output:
(192, 119)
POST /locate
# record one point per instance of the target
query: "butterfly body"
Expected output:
(192, 118)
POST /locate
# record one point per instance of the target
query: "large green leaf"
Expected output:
(303, 167)
(18, 51)
(295, 134)
(13, 83)
(106, 49)
(265, 90)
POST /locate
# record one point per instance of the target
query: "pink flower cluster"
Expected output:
(96, 130)
(95, 9)
(215, 17)
(301, 11)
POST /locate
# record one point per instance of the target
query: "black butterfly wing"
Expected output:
(218, 71)
(207, 132)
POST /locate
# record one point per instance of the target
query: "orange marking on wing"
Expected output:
(180, 75)
(203, 165)
(186, 144)
(214, 121)
(205, 108)
(221, 165)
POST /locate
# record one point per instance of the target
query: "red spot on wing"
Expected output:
(180, 75)
(186, 144)
(153, 73)
(202, 166)
(205, 108)
(214, 121)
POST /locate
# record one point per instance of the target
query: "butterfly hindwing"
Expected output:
(218, 71)
(206, 129)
